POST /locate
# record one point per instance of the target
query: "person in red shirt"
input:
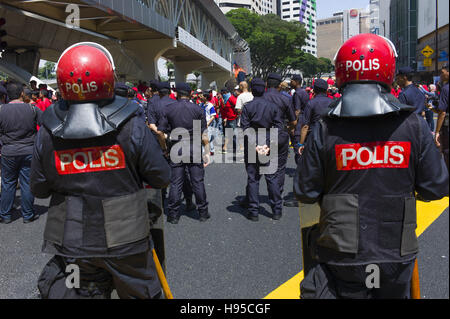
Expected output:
(330, 81)
(219, 107)
(310, 92)
(396, 91)
(229, 114)
(330, 93)
(215, 101)
(336, 93)
(142, 87)
(172, 95)
(43, 102)
(139, 95)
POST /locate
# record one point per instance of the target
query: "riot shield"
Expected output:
(155, 209)
(309, 229)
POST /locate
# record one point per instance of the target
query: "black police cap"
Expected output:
(274, 76)
(121, 86)
(121, 89)
(163, 86)
(257, 82)
(154, 84)
(406, 70)
(297, 78)
(182, 86)
(320, 84)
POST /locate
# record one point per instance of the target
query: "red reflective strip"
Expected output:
(90, 159)
(372, 155)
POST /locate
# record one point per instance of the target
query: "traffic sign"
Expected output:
(427, 62)
(427, 51)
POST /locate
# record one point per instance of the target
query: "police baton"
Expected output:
(162, 277)
(415, 283)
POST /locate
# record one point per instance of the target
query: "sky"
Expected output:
(326, 8)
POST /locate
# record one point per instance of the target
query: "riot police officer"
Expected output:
(92, 156)
(363, 164)
(257, 114)
(289, 119)
(410, 94)
(183, 114)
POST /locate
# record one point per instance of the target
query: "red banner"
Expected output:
(90, 159)
(372, 155)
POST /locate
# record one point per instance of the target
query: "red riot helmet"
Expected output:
(366, 58)
(85, 72)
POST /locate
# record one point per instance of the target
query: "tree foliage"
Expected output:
(47, 71)
(272, 41)
(275, 44)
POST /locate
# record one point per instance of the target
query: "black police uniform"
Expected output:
(150, 102)
(443, 106)
(260, 113)
(155, 113)
(154, 87)
(363, 164)
(412, 96)
(93, 162)
(299, 100)
(317, 107)
(182, 114)
(158, 103)
(287, 115)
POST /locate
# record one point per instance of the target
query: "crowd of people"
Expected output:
(222, 109)
(70, 144)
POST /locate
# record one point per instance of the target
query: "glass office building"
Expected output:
(403, 31)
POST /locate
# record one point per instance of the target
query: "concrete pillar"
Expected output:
(221, 78)
(147, 53)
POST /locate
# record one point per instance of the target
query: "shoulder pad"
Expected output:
(366, 100)
(87, 120)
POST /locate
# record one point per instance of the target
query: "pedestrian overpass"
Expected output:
(193, 34)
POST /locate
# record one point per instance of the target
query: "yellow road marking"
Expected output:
(427, 213)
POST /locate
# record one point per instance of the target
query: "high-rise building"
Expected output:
(403, 31)
(355, 21)
(304, 11)
(427, 24)
(329, 35)
(379, 17)
(333, 32)
(257, 6)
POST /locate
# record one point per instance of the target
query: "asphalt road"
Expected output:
(227, 257)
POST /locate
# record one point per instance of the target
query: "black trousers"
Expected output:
(252, 190)
(196, 174)
(133, 277)
(283, 152)
(326, 281)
